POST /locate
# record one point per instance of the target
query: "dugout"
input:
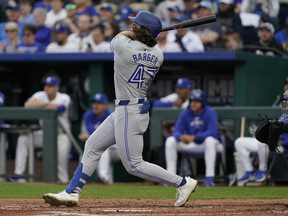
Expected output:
(228, 78)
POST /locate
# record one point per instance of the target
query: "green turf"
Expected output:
(36, 190)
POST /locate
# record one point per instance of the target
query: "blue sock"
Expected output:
(183, 182)
(78, 181)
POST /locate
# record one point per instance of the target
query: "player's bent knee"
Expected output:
(210, 142)
(170, 142)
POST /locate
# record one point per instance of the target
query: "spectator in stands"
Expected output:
(43, 33)
(84, 7)
(282, 36)
(110, 31)
(29, 44)
(231, 25)
(13, 15)
(179, 99)
(81, 37)
(11, 29)
(96, 42)
(57, 13)
(190, 9)
(186, 39)
(71, 19)
(196, 130)
(2, 103)
(174, 11)
(268, 10)
(50, 98)
(46, 4)
(62, 45)
(210, 33)
(162, 9)
(106, 13)
(25, 12)
(125, 12)
(165, 46)
(92, 119)
(277, 102)
(267, 43)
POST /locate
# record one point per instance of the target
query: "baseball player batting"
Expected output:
(136, 63)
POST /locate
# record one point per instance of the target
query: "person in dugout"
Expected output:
(196, 130)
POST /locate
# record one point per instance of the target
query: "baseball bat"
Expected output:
(192, 23)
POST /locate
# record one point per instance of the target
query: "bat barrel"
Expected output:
(191, 23)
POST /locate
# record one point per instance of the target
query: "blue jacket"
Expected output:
(92, 122)
(201, 126)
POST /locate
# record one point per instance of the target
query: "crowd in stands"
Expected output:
(58, 26)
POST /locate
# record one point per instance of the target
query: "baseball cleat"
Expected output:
(260, 176)
(183, 192)
(62, 198)
(248, 176)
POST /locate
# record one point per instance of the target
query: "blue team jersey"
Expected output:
(201, 126)
(43, 35)
(92, 122)
(90, 10)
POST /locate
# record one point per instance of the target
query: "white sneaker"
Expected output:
(62, 198)
(183, 192)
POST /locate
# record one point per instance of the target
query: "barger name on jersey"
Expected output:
(145, 57)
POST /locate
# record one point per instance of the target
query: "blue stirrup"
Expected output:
(79, 179)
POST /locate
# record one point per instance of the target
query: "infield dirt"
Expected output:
(89, 207)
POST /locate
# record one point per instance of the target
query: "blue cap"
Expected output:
(206, 4)
(2, 99)
(106, 7)
(52, 81)
(62, 28)
(175, 9)
(179, 18)
(197, 95)
(126, 12)
(183, 83)
(149, 21)
(13, 6)
(100, 98)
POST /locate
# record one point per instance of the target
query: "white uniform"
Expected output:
(104, 46)
(244, 146)
(135, 66)
(63, 142)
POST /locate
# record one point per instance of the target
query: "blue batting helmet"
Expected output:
(149, 21)
(183, 83)
(197, 95)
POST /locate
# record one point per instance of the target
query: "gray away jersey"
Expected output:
(135, 67)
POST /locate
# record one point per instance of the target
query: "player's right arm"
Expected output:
(35, 101)
(180, 126)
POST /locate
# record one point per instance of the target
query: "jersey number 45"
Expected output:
(138, 75)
